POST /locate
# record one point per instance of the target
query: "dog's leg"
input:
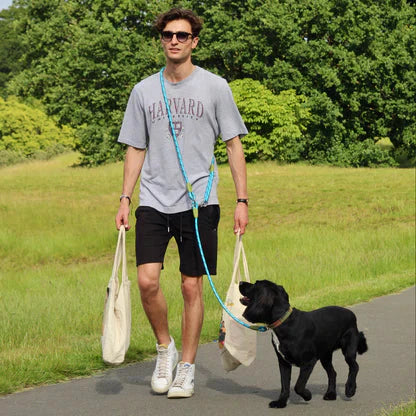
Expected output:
(303, 378)
(351, 385)
(349, 349)
(285, 374)
(331, 393)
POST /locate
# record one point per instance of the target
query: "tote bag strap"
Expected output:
(238, 253)
(120, 256)
(245, 265)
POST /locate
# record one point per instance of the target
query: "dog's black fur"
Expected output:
(305, 338)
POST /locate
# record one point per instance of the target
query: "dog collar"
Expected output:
(281, 320)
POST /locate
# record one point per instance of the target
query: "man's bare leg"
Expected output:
(153, 300)
(192, 317)
(155, 306)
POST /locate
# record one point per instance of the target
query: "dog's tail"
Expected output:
(362, 344)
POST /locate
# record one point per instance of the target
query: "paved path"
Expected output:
(387, 376)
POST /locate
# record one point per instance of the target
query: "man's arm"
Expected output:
(133, 163)
(237, 164)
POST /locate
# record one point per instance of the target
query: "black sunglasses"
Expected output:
(182, 37)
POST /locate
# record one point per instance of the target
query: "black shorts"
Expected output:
(154, 229)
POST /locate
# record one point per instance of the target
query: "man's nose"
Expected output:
(174, 39)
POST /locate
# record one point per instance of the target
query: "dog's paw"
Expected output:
(305, 394)
(330, 395)
(278, 404)
(350, 389)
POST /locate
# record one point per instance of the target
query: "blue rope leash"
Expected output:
(195, 207)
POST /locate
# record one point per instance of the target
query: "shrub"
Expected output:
(362, 154)
(275, 122)
(27, 132)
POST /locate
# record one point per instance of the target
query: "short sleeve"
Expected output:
(228, 117)
(133, 130)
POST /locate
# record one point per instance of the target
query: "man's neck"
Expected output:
(178, 72)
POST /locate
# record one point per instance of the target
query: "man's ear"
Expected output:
(195, 42)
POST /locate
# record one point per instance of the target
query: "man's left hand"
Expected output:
(240, 218)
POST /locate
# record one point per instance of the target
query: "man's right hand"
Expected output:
(132, 167)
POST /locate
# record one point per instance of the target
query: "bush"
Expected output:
(27, 132)
(8, 157)
(362, 154)
(275, 122)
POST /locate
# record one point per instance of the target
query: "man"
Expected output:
(202, 108)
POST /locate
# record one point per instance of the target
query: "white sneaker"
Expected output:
(167, 358)
(183, 385)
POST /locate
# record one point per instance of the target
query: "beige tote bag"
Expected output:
(115, 338)
(238, 344)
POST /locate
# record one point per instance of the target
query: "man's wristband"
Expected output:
(125, 196)
(243, 200)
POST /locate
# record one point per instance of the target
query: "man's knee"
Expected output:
(192, 288)
(148, 277)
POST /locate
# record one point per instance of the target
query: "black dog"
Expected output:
(304, 338)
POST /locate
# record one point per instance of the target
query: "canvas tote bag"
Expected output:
(115, 338)
(237, 343)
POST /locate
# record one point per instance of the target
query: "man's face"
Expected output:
(175, 51)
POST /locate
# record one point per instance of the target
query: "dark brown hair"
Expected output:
(176, 14)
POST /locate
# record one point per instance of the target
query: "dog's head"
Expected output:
(264, 300)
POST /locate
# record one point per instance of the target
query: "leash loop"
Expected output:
(195, 206)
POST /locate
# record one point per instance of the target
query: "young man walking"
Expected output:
(202, 109)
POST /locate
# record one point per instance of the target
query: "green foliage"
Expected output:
(8, 157)
(367, 153)
(276, 123)
(82, 60)
(27, 132)
(354, 60)
(11, 48)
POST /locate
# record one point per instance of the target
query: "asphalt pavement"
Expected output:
(386, 377)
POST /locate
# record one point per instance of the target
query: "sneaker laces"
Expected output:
(182, 372)
(162, 363)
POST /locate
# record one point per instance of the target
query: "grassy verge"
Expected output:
(404, 409)
(329, 235)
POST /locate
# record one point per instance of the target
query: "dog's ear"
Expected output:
(284, 293)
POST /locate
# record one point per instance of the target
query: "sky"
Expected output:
(4, 4)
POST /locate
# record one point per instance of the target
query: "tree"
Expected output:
(11, 48)
(82, 59)
(353, 59)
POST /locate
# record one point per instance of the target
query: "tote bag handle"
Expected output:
(238, 253)
(120, 256)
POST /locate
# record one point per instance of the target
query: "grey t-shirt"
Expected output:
(203, 109)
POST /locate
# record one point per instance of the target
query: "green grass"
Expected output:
(404, 409)
(329, 235)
